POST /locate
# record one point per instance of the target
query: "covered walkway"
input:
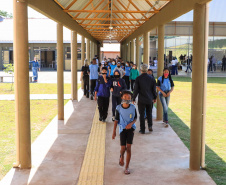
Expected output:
(58, 154)
(99, 21)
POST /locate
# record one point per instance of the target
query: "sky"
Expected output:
(7, 5)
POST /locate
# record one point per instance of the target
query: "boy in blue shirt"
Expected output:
(102, 90)
(93, 74)
(126, 117)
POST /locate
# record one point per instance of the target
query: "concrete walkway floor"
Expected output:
(158, 158)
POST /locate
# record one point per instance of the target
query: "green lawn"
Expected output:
(37, 88)
(179, 118)
(42, 112)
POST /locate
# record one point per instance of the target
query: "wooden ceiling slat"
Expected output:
(137, 8)
(94, 10)
(70, 5)
(84, 8)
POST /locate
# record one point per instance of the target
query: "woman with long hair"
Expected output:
(165, 87)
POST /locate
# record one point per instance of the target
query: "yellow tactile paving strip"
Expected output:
(92, 171)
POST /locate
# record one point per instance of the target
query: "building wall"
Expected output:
(35, 50)
(111, 54)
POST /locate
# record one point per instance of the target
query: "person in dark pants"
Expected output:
(102, 91)
(223, 64)
(127, 74)
(118, 85)
(134, 73)
(94, 69)
(85, 77)
(145, 86)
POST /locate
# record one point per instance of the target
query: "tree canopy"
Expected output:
(5, 14)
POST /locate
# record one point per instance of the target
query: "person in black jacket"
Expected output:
(145, 86)
(118, 85)
(85, 77)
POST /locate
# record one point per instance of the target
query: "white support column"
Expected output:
(146, 48)
(82, 52)
(1, 58)
(128, 52)
(60, 71)
(132, 58)
(82, 58)
(161, 34)
(74, 86)
(92, 50)
(137, 52)
(120, 50)
(87, 50)
(199, 83)
(21, 74)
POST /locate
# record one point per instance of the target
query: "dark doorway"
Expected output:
(48, 59)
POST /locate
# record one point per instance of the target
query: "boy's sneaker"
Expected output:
(150, 129)
(91, 97)
(142, 132)
(113, 118)
(166, 124)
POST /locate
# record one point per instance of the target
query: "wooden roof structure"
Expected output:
(111, 19)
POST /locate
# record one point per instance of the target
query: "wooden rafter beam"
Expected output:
(108, 19)
(109, 11)
(111, 31)
(98, 14)
(96, 28)
(110, 24)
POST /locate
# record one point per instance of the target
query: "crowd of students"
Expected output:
(124, 82)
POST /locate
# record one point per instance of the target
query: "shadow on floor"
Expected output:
(216, 166)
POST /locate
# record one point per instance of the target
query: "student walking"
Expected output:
(145, 86)
(127, 74)
(94, 73)
(111, 68)
(126, 117)
(134, 73)
(119, 68)
(165, 87)
(102, 91)
(118, 85)
(85, 78)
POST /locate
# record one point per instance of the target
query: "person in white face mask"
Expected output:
(122, 72)
(111, 68)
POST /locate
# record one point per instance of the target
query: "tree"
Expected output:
(5, 14)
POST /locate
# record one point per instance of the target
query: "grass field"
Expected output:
(37, 88)
(179, 118)
(42, 112)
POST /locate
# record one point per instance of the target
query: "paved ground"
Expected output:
(158, 158)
